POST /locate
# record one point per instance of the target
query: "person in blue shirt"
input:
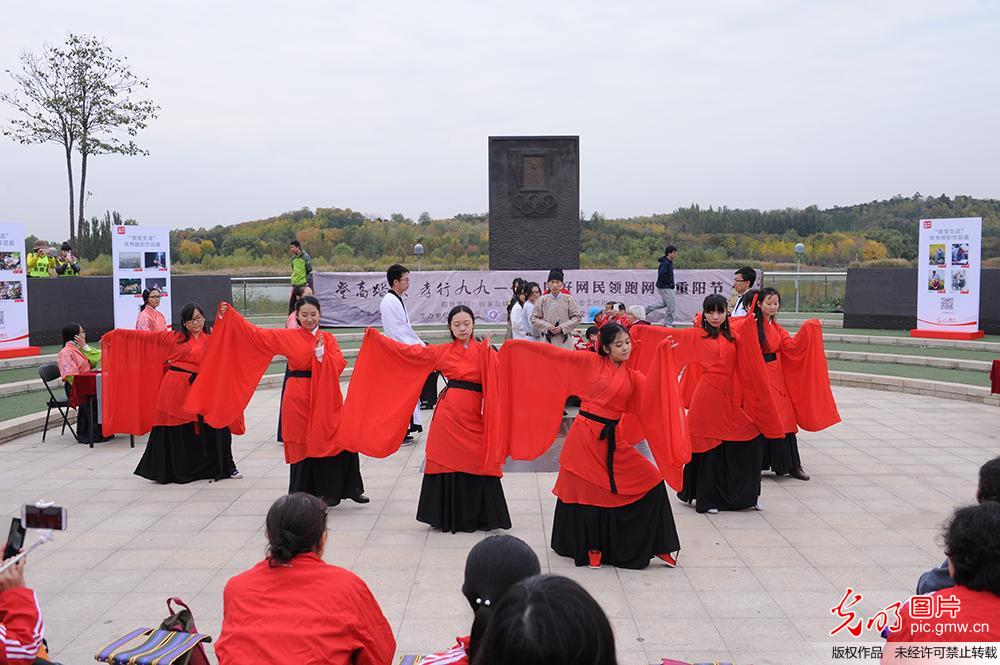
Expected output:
(939, 578)
(665, 286)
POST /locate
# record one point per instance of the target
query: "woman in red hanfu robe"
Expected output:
(612, 506)
(798, 378)
(147, 377)
(311, 403)
(461, 489)
(729, 405)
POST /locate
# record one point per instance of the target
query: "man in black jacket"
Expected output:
(665, 286)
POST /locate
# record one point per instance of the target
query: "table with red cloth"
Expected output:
(83, 387)
(995, 377)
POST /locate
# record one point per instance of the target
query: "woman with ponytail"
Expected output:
(293, 607)
(149, 318)
(798, 378)
(494, 565)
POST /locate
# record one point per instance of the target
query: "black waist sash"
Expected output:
(466, 385)
(299, 373)
(608, 432)
(461, 385)
(175, 368)
(770, 357)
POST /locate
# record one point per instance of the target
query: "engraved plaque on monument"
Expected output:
(534, 202)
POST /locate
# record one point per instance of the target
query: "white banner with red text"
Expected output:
(948, 276)
(352, 298)
(140, 257)
(13, 290)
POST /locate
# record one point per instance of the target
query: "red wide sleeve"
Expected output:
(494, 450)
(385, 386)
(661, 412)
(229, 374)
(803, 365)
(754, 389)
(132, 368)
(541, 376)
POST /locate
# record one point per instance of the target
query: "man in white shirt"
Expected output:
(742, 282)
(396, 324)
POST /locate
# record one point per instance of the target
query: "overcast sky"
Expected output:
(387, 106)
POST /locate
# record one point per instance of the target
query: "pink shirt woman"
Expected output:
(149, 319)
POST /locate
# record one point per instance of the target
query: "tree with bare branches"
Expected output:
(81, 96)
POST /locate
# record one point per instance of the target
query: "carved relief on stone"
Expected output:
(534, 205)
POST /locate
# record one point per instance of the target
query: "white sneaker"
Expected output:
(712, 511)
(759, 506)
(236, 475)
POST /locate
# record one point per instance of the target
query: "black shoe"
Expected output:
(407, 440)
(415, 428)
(360, 498)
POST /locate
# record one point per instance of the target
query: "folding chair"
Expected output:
(46, 373)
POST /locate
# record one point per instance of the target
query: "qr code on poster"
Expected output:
(947, 304)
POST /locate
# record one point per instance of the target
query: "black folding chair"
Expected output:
(46, 373)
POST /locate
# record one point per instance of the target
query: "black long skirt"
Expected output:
(183, 453)
(781, 455)
(462, 502)
(627, 536)
(86, 419)
(329, 478)
(726, 477)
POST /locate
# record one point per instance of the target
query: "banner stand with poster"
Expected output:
(948, 277)
(140, 257)
(14, 294)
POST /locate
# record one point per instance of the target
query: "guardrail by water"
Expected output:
(818, 292)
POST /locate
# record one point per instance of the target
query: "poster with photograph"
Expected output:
(948, 276)
(13, 290)
(141, 260)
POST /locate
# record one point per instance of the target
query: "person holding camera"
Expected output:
(67, 264)
(39, 260)
(21, 625)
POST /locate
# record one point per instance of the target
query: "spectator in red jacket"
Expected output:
(970, 610)
(21, 626)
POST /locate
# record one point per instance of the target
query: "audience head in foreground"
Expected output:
(293, 607)
(547, 620)
(494, 565)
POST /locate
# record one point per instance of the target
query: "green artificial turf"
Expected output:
(912, 372)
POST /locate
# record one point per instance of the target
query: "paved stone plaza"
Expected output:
(752, 587)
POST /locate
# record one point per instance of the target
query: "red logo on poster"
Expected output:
(927, 223)
(120, 230)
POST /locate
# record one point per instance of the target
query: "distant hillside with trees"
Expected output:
(880, 233)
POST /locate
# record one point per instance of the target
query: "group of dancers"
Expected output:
(704, 409)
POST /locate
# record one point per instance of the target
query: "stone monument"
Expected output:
(534, 202)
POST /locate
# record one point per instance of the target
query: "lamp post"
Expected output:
(418, 251)
(800, 249)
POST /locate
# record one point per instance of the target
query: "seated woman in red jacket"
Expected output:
(970, 610)
(292, 607)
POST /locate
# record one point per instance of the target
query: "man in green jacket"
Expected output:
(301, 264)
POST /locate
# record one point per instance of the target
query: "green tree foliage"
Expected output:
(879, 232)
